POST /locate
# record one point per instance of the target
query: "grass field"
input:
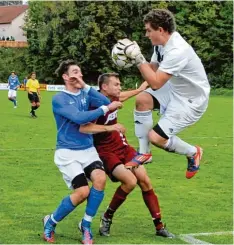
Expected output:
(31, 186)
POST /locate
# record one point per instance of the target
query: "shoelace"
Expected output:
(49, 231)
(87, 236)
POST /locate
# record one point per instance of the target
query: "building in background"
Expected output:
(12, 21)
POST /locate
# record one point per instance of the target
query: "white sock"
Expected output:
(143, 124)
(175, 144)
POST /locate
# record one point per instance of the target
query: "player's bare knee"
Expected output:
(144, 101)
(129, 183)
(80, 195)
(99, 179)
(145, 183)
(38, 104)
(96, 173)
(81, 189)
(157, 137)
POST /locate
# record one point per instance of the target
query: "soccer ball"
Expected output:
(118, 56)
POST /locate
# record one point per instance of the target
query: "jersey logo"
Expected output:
(159, 56)
(71, 102)
(111, 116)
(83, 101)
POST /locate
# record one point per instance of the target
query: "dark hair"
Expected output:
(104, 78)
(161, 18)
(33, 72)
(64, 66)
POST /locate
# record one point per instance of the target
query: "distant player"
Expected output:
(13, 85)
(118, 156)
(179, 88)
(33, 88)
(75, 155)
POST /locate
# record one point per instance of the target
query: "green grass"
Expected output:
(31, 186)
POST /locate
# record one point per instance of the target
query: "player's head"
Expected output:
(159, 25)
(109, 84)
(32, 75)
(13, 74)
(68, 70)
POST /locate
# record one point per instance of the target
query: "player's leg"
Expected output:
(94, 171)
(176, 118)
(151, 201)
(10, 95)
(116, 172)
(36, 104)
(14, 93)
(75, 179)
(146, 102)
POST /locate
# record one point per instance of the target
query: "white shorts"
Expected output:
(72, 162)
(11, 93)
(176, 114)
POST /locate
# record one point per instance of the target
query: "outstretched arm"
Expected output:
(92, 128)
(128, 94)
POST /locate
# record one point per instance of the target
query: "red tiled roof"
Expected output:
(9, 13)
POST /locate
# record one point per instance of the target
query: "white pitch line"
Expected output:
(212, 233)
(192, 240)
(190, 237)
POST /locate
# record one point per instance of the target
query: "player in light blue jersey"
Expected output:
(13, 85)
(75, 155)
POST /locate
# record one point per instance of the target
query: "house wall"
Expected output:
(14, 29)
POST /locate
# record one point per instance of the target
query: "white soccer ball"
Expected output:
(118, 56)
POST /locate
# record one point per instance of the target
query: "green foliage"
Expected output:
(12, 60)
(87, 30)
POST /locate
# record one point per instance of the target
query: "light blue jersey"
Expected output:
(72, 110)
(13, 82)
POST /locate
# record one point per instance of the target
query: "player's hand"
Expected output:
(115, 105)
(118, 127)
(133, 51)
(77, 80)
(143, 86)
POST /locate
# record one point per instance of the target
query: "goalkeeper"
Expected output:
(179, 89)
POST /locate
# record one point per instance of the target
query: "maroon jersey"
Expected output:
(109, 141)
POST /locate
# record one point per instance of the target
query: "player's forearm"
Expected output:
(93, 128)
(128, 94)
(38, 91)
(155, 79)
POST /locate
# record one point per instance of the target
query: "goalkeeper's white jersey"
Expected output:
(189, 80)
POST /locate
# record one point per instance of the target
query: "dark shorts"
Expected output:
(112, 159)
(33, 97)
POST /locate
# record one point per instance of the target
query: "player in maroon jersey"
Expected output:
(119, 157)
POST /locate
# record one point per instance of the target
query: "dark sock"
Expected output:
(151, 201)
(118, 198)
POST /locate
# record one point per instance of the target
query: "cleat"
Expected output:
(164, 233)
(104, 228)
(194, 163)
(49, 229)
(138, 160)
(87, 236)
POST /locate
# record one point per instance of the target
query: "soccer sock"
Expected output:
(14, 101)
(143, 123)
(118, 198)
(175, 144)
(64, 208)
(151, 201)
(35, 107)
(94, 200)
